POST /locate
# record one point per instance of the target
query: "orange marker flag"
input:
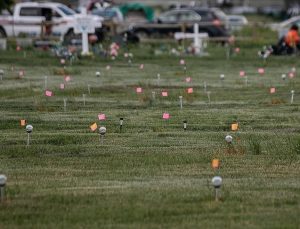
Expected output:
(234, 126)
(93, 127)
(22, 122)
(215, 164)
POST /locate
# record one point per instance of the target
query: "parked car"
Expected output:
(210, 21)
(243, 10)
(236, 22)
(28, 17)
(109, 14)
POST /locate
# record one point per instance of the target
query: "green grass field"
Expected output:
(153, 174)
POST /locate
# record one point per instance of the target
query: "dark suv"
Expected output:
(210, 20)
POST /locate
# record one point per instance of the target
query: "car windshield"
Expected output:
(66, 10)
(108, 13)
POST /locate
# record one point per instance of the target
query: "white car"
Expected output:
(236, 22)
(28, 18)
(283, 27)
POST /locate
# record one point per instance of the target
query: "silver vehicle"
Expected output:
(236, 22)
(283, 27)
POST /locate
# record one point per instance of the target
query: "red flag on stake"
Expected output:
(261, 71)
(188, 79)
(48, 93)
(272, 90)
(190, 90)
(242, 73)
(164, 93)
(166, 116)
(67, 78)
(101, 117)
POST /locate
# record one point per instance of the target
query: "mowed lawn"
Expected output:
(152, 174)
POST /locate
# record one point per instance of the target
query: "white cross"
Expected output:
(84, 26)
(198, 38)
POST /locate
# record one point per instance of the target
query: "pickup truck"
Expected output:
(28, 18)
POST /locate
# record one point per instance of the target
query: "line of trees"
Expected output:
(6, 5)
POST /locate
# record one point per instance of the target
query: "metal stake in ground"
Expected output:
(121, 124)
(102, 132)
(3, 180)
(185, 69)
(46, 82)
(83, 97)
(292, 96)
(98, 74)
(217, 183)
(153, 95)
(158, 79)
(222, 77)
(180, 101)
(89, 88)
(208, 96)
(1, 74)
(184, 124)
(65, 104)
(204, 86)
(29, 129)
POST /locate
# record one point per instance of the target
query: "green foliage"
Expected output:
(153, 174)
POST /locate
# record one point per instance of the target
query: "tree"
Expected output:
(289, 3)
(6, 5)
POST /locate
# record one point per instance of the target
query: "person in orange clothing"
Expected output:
(287, 45)
(292, 38)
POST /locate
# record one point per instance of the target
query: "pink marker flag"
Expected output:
(101, 117)
(62, 86)
(48, 93)
(188, 79)
(182, 62)
(62, 61)
(67, 78)
(291, 75)
(164, 93)
(272, 90)
(139, 90)
(237, 49)
(142, 66)
(166, 116)
(21, 73)
(190, 90)
(261, 71)
(242, 73)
